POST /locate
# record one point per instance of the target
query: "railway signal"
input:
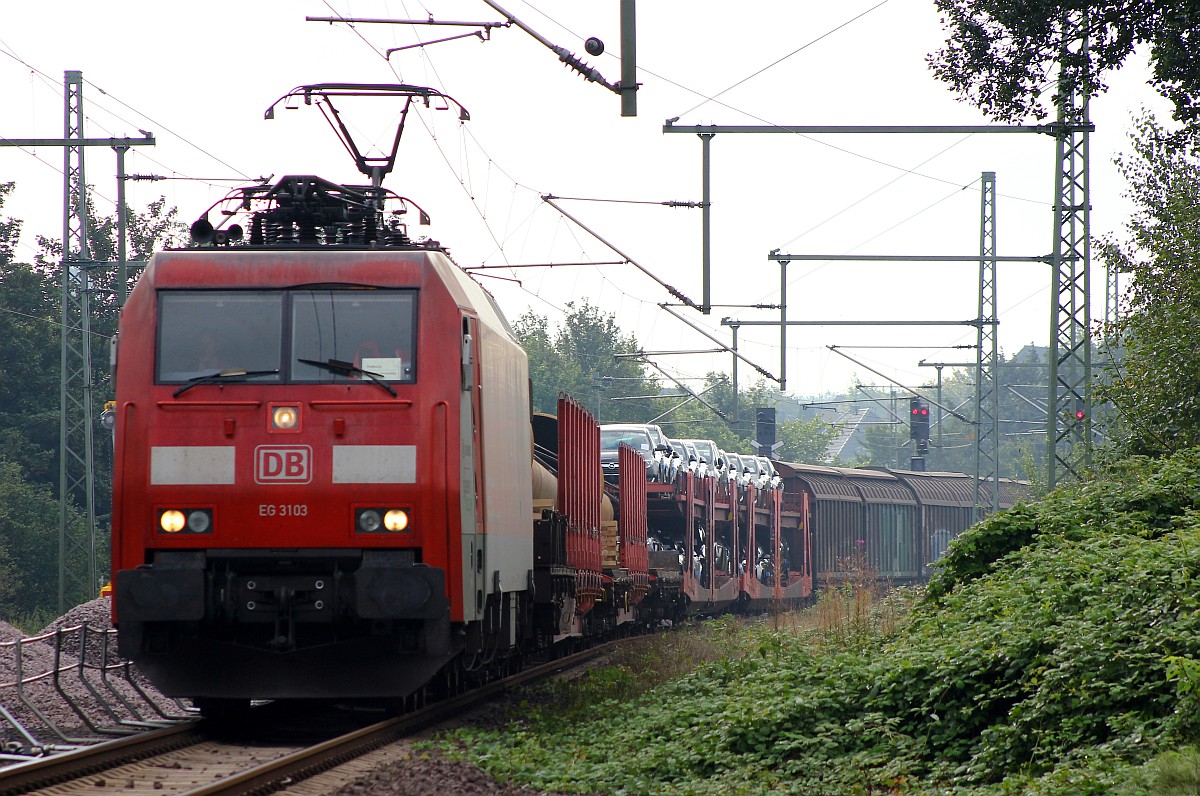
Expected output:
(764, 430)
(918, 427)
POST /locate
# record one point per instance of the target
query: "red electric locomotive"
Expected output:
(313, 494)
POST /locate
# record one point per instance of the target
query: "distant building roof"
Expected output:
(848, 424)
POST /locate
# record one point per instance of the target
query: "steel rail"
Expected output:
(47, 771)
(321, 757)
(57, 769)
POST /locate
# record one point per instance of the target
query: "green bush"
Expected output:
(1057, 656)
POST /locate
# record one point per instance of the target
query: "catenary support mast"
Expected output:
(1068, 419)
(75, 475)
(987, 409)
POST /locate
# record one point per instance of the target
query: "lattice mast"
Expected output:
(77, 571)
(1069, 423)
(987, 368)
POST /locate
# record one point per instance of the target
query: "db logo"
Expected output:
(290, 464)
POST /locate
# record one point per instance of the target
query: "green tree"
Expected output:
(10, 229)
(29, 540)
(1001, 54)
(1156, 389)
(804, 440)
(548, 371)
(29, 359)
(580, 359)
(29, 370)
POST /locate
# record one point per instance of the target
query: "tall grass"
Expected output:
(858, 609)
(852, 615)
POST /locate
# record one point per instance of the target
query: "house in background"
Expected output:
(848, 443)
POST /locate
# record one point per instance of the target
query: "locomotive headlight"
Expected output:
(186, 520)
(285, 417)
(171, 521)
(369, 520)
(382, 520)
(198, 521)
(396, 520)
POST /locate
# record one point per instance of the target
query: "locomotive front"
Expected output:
(302, 503)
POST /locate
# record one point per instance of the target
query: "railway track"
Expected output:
(198, 759)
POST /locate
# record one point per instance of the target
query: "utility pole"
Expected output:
(626, 87)
(735, 325)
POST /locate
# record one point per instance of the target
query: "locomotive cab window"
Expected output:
(353, 335)
(204, 333)
(329, 335)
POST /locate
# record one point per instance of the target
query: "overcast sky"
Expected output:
(199, 77)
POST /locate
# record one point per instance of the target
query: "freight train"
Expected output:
(328, 482)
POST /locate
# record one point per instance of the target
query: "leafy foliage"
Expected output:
(1064, 666)
(977, 552)
(1001, 54)
(580, 359)
(29, 521)
(804, 440)
(1153, 380)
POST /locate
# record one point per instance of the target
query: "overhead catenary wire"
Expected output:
(500, 246)
(507, 247)
(909, 171)
(778, 61)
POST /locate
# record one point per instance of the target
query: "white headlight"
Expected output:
(171, 521)
(285, 417)
(395, 520)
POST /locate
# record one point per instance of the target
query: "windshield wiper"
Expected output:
(343, 368)
(221, 375)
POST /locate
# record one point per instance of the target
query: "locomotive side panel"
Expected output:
(499, 385)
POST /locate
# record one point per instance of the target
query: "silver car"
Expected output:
(645, 438)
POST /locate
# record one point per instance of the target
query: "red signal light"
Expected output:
(918, 427)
